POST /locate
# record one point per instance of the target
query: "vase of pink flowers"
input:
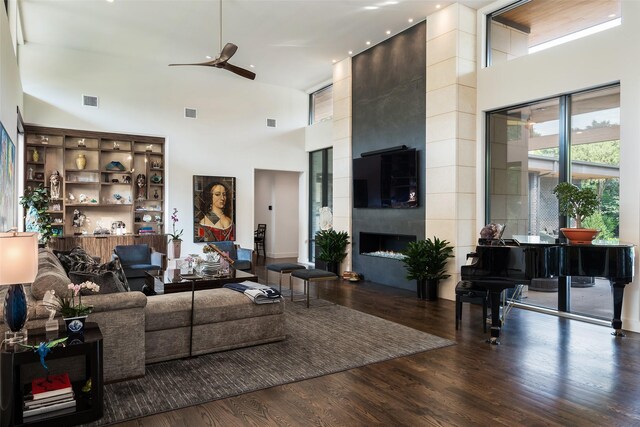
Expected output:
(175, 237)
(75, 315)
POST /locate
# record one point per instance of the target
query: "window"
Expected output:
(532, 147)
(528, 26)
(321, 105)
(320, 191)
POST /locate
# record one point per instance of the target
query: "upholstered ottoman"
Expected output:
(284, 268)
(312, 275)
(223, 320)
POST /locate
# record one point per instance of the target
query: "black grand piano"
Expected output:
(498, 264)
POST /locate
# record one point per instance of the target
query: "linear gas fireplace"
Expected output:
(384, 245)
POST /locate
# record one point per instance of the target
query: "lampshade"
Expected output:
(18, 258)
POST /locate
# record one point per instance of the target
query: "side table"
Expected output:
(89, 406)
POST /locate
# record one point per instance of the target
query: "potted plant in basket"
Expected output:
(333, 248)
(577, 203)
(174, 238)
(36, 203)
(426, 262)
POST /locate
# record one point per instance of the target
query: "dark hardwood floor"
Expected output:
(548, 371)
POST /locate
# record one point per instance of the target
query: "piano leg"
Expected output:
(496, 323)
(616, 322)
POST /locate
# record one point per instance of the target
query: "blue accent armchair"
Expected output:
(242, 257)
(135, 260)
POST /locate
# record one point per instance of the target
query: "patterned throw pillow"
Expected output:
(77, 260)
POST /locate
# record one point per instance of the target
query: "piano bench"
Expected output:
(467, 291)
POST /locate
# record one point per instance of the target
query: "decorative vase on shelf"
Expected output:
(36, 155)
(81, 161)
(75, 325)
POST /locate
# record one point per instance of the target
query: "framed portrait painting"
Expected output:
(8, 198)
(214, 208)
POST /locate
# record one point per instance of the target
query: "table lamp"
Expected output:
(18, 265)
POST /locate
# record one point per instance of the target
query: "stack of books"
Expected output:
(49, 397)
(146, 230)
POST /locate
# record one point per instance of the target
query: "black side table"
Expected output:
(89, 406)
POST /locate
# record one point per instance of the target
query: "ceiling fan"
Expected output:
(222, 61)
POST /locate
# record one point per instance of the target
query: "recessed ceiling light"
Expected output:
(252, 66)
(110, 1)
(350, 52)
(613, 15)
(334, 61)
(371, 7)
(209, 57)
(368, 43)
(438, 6)
(410, 20)
(388, 32)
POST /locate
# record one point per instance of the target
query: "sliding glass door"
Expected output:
(533, 147)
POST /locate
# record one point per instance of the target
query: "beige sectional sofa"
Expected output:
(138, 329)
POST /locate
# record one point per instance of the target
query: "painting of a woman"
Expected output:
(214, 207)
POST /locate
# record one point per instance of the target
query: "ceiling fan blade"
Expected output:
(239, 71)
(228, 51)
(207, 64)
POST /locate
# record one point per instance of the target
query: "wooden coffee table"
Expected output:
(171, 280)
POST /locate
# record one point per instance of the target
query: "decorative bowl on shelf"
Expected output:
(114, 166)
(156, 179)
(146, 218)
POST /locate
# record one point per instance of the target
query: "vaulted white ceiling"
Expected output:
(290, 42)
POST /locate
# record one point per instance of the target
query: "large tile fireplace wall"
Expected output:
(389, 109)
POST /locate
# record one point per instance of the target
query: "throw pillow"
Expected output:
(49, 277)
(75, 259)
(111, 266)
(107, 280)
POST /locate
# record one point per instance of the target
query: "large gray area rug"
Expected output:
(321, 340)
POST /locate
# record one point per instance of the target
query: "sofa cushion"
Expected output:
(211, 305)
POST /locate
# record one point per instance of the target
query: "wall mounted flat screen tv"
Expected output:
(386, 180)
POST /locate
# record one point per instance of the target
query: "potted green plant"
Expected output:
(577, 203)
(36, 202)
(332, 247)
(426, 262)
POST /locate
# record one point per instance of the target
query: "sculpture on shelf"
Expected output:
(141, 182)
(54, 185)
(78, 218)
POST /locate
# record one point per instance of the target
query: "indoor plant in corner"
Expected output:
(426, 262)
(175, 239)
(36, 203)
(577, 203)
(333, 248)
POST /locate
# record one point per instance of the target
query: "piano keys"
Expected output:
(500, 264)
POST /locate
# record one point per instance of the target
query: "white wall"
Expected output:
(10, 95)
(229, 137)
(596, 60)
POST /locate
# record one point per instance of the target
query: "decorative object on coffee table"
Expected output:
(18, 265)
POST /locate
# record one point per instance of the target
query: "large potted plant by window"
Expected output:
(577, 203)
(426, 262)
(36, 203)
(332, 247)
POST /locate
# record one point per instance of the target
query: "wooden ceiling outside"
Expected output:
(550, 19)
